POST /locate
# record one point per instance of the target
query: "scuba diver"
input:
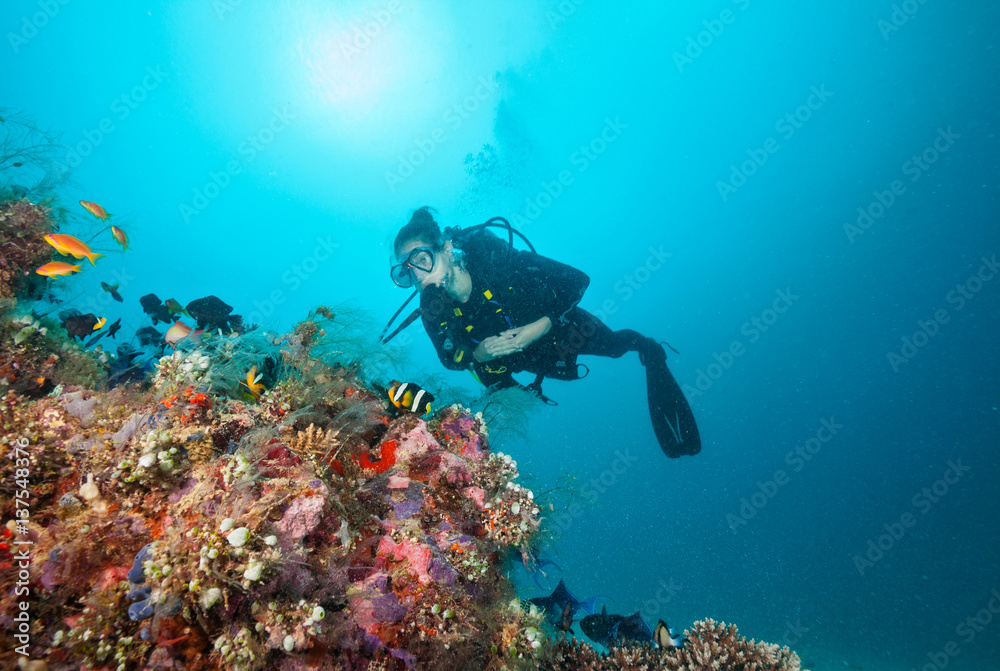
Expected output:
(496, 311)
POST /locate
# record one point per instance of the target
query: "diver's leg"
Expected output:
(599, 340)
(670, 412)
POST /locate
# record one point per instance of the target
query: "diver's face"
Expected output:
(421, 261)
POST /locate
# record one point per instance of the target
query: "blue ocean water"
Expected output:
(801, 198)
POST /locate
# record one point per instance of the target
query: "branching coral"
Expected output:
(710, 646)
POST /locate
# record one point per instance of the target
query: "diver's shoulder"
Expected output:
(482, 240)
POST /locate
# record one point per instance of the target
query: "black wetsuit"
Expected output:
(512, 288)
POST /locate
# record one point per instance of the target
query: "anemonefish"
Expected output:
(95, 209)
(58, 268)
(67, 245)
(409, 397)
(253, 382)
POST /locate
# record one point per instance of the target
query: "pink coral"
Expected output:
(301, 518)
(454, 470)
(477, 495)
(419, 555)
(397, 481)
(415, 443)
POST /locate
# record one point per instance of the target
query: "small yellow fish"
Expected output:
(120, 237)
(67, 245)
(95, 209)
(253, 382)
(58, 268)
(100, 323)
(174, 307)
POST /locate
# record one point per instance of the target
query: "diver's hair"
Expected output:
(421, 227)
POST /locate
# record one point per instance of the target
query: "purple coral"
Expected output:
(388, 609)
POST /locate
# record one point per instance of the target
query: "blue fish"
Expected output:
(555, 604)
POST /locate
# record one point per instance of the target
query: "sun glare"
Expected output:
(352, 65)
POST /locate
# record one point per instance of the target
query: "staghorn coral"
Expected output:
(313, 441)
(710, 646)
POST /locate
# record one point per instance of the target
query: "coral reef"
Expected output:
(710, 646)
(186, 524)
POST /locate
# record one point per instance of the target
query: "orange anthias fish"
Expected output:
(120, 237)
(253, 382)
(58, 268)
(67, 245)
(95, 210)
(179, 331)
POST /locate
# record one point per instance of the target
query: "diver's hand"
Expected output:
(495, 347)
(529, 333)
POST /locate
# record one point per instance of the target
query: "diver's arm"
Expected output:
(523, 336)
(511, 340)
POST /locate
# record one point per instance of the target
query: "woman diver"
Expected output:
(498, 311)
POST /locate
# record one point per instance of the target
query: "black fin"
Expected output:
(673, 421)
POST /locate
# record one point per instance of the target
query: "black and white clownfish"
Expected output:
(409, 397)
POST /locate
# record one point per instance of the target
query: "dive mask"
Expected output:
(419, 258)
